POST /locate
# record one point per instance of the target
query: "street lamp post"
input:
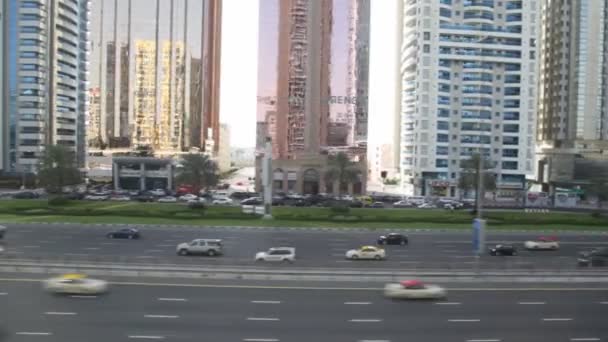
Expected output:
(267, 178)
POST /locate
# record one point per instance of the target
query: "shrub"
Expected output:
(596, 214)
(197, 206)
(340, 209)
(58, 201)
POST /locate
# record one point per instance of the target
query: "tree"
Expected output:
(469, 174)
(596, 175)
(57, 169)
(340, 168)
(198, 170)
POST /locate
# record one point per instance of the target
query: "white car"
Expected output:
(366, 253)
(75, 284)
(158, 192)
(414, 289)
(120, 198)
(284, 254)
(96, 197)
(188, 197)
(222, 201)
(167, 199)
(542, 243)
(427, 206)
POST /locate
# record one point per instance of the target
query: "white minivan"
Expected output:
(416, 200)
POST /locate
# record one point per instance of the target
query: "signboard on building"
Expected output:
(537, 199)
(566, 200)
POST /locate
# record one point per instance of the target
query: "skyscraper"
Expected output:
(47, 65)
(292, 78)
(468, 86)
(299, 123)
(357, 82)
(157, 71)
(573, 92)
(3, 83)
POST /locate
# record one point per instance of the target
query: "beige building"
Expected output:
(573, 90)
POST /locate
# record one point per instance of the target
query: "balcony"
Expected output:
(479, 3)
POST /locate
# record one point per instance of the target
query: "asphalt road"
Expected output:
(140, 311)
(427, 250)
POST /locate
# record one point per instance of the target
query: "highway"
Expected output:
(143, 311)
(428, 250)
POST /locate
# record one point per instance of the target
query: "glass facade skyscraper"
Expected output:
(156, 75)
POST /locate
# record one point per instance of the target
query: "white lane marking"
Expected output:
(31, 246)
(448, 303)
(108, 243)
(77, 254)
(463, 320)
(165, 245)
(531, 303)
(365, 320)
(584, 339)
(260, 340)
(485, 340)
(3, 293)
(337, 254)
(31, 333)
(91, 248)
(153, 251)
(374, 341)
(147, 337)
(262, 318)
(173, 299)
(161, 316)
(87, 297)
(46, 241)
(266, 301)
(144, 257)
(357, 303)
(605, 303)
(58, 313)
(556, 319)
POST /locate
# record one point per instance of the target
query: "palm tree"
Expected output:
(198, 170)
(340, 168)
(57, 169)
(469, 174)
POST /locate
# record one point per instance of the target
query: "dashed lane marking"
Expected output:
(448, 303)
(464, 320)
(58, 313)
(557, 319)
(33, 333)
(365, 320)
(585, 339)
(162, 316)
(172, 299)
(147, 337)
(266, 301)
(263, 318)
(531, 303)
(357, 303)
(260, 339)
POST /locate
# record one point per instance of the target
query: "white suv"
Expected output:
(210, 247)
(284, 254)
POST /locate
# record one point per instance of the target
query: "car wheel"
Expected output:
(514, 253)
(182, 252)
(259, 260)
(130, 237)
(211, 253)
(354, 257)
(377, 257)
(403, 242)
(110, 236)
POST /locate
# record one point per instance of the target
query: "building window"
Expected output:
(509, 165)
(441, 163)
(442, 150)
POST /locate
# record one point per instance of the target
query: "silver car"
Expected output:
(210, 247)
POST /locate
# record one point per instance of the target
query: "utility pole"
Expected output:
(267, 178)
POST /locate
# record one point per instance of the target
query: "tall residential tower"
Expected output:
(47, 71)
(573, 93)
(468, 86)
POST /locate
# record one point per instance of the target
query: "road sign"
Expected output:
(479, 236)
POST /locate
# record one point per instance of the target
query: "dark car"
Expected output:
(26, 195)
(74, 196)
(393, 239)
(356, 204)
(252, 201)
(503, 250)
(145, 198)
(597, 257)
(126, 233)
